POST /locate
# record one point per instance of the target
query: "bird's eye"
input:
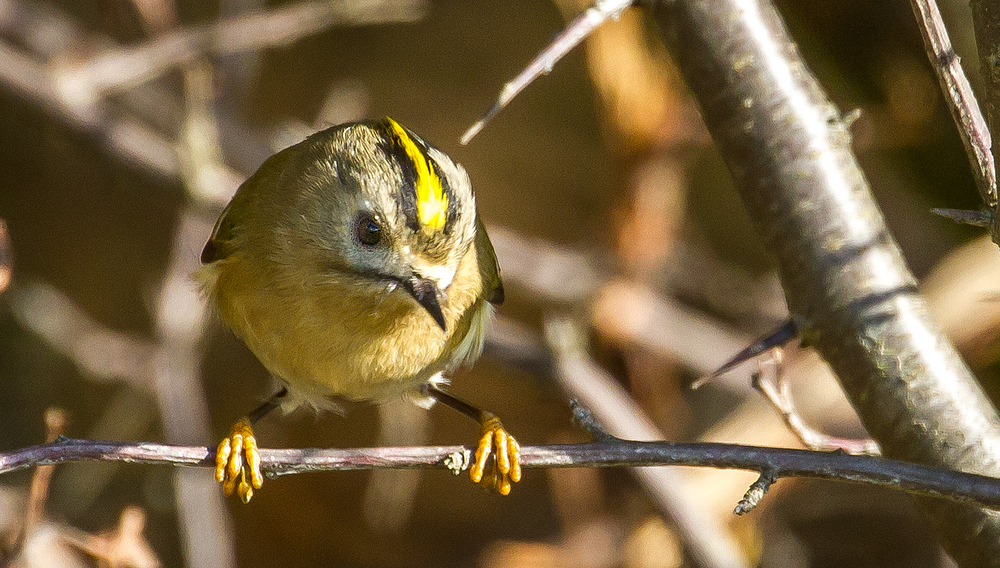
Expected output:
(367, 230)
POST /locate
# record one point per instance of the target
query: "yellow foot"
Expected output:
(237, 462)
(498, 458)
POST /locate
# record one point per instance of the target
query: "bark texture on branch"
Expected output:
(845, 279)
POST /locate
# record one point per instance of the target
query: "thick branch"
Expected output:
(913, 478)
(845, 279)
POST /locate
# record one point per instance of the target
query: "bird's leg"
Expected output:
(237, 461)
(498, 456)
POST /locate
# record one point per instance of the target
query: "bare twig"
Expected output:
(986, 22)
(964, 107)
(542, 64)
(768, 381)
(755, 493)
(913, 478)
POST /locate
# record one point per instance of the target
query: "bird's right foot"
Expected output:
(237, 462)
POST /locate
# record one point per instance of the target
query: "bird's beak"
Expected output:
(425, 293)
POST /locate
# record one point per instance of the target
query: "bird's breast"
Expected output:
(339, 338)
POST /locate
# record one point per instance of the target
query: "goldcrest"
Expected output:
(354, 266)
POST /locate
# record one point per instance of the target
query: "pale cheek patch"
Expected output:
(442, 275)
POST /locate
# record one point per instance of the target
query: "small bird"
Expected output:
(354, 265)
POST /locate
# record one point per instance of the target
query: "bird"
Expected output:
(355, 266)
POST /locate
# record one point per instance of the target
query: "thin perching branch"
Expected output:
(779, 462)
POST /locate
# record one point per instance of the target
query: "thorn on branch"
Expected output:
(850, 117)
(966, 216)
(785, 333)
(756, 492)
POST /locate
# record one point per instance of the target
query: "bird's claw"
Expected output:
(498, 458)
(237, 462)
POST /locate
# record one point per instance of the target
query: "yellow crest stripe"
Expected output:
(432, 203)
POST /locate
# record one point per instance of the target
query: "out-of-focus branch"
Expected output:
(622, 309)
(963, 296)
(131, 140)
(582, 379)
(913, 478)
(640, 316)
(180, 315)
(962, 102)
(101, 352)
(124, 67)
(74, 91)
(789, 153)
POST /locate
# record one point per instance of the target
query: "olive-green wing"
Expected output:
(489, 268)
(226, 235)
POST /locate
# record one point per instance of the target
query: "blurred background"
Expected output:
(631, 270)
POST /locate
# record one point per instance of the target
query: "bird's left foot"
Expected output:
(498, 458)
